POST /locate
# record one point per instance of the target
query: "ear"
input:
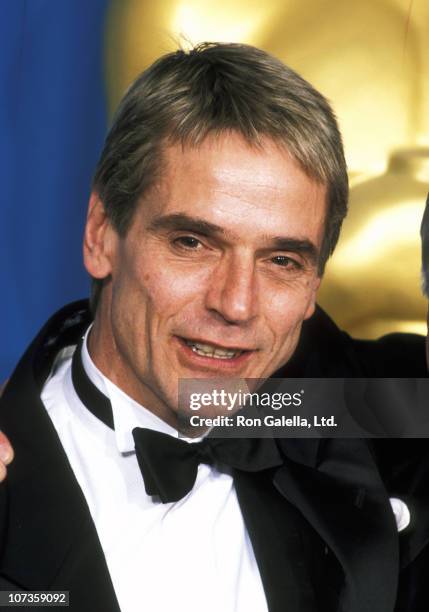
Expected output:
(99, 240)
(311, 307)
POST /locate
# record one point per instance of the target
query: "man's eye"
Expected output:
(188, 242)
(286, 262)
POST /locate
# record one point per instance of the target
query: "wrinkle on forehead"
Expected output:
(232, 160)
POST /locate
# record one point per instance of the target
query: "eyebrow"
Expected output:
(181, 221)
(184, 222)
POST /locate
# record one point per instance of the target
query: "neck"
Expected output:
(107, 357)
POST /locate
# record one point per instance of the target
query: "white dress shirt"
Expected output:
(186, 556)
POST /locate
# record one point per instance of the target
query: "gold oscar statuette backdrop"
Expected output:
(371, 60)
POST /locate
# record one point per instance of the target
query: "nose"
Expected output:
(233, 292)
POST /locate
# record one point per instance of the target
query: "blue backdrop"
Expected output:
(52, 124)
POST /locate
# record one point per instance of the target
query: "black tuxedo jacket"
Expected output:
(322, 530)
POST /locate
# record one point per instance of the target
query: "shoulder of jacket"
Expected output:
(396, 355)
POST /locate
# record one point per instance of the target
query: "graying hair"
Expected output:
(424, 232)
(212, 89)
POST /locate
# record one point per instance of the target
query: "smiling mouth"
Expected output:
(209, 350)
(214, 352)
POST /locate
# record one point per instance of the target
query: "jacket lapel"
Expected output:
(272, 527)
(337, 488)
(55, 546)
(49, 540)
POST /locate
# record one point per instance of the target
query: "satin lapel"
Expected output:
(49, 540)
(271, 525)
(343, 498)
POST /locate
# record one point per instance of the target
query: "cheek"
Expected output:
(162, 292)
(284, 315)
(289, 305)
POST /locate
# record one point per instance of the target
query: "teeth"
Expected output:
(207, 350)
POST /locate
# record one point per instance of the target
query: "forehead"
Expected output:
(240, 187)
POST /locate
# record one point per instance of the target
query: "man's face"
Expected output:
(216, 274)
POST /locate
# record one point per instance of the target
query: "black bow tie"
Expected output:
(169, 465)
